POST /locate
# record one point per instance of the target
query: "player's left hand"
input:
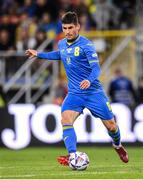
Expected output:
(85, 84)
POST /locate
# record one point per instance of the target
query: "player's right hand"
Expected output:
(85, 84)
(31, 53)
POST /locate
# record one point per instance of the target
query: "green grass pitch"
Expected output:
(40, 163)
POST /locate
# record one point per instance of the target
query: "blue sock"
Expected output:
(69, 138)
(115, 136)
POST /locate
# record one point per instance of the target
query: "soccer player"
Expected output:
(82, 67)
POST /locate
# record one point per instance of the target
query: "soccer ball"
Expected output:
(78, 161)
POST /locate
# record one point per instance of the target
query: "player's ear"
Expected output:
(78, 26)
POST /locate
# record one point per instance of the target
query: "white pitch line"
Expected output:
(87, 173)
(9, 167)
(21, 175)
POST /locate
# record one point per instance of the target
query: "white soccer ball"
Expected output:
(78, 161)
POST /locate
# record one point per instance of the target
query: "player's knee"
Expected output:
(112, 127)
(66, 119)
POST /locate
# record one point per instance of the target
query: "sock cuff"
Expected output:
(67, 126)
(114, 132)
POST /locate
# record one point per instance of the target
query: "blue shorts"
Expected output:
(98, 104)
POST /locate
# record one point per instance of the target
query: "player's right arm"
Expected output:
(53, 55)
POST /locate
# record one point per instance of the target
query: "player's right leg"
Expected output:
(71, 109)
(69, 135)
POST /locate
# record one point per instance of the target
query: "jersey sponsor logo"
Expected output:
(69, 50)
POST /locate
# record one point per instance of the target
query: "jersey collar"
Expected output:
(70, 43)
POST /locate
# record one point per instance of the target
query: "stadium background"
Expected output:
(30, 90)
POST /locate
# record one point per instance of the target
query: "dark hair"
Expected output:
(70, 18)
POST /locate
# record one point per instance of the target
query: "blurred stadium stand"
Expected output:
(114, 26)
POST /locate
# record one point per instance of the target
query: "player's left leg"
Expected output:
(114, 133)
(100, 107)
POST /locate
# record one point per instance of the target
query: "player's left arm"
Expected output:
(94, 64)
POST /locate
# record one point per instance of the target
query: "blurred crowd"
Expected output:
(26, 23)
